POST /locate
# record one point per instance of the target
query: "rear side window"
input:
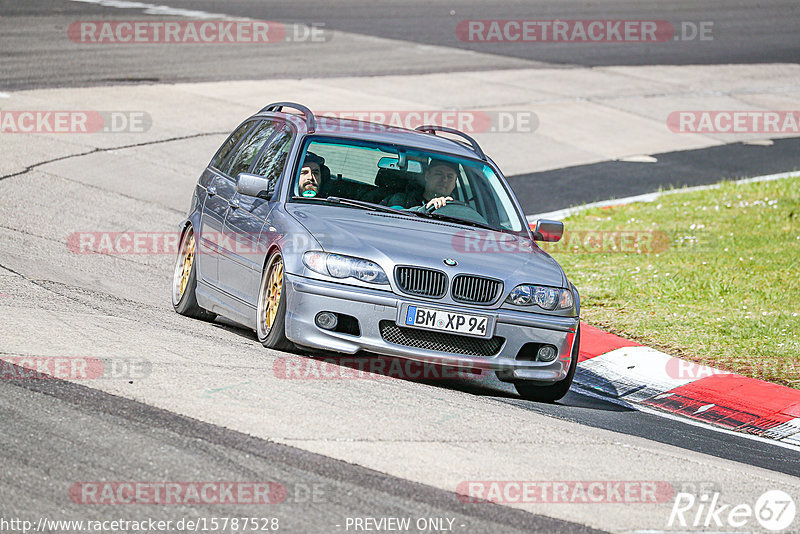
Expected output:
(230, 143)
(246, 152)
(273, 158)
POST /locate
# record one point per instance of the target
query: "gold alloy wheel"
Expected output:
(188, 260)
(272, 297)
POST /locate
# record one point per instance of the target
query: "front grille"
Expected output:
(421, 282)
(475, 289)
(440, 341)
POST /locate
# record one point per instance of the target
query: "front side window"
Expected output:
(406, 178)
(246, 152)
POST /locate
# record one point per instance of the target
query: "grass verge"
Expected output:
(711, 276)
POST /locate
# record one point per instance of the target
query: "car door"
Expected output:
(218, 188)
(240, 161)
(245, 220)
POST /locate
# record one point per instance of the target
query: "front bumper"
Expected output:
(306, 297)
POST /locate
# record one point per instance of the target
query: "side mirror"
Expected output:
(547, 230)
(252, 185)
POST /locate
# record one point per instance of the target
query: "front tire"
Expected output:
(184, 280)
(271, 309)
(555, 391)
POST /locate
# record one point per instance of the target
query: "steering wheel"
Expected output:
(449, 203)
(460, 210)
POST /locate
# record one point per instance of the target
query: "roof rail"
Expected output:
(311, 121)
(432, 129)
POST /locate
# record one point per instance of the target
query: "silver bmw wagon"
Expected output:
(352, 236)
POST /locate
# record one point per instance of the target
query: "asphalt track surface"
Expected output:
(744, 32)
(54, 433)
(96, 436)
(34, 54)
(582, 184)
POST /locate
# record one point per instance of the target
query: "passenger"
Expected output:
(440, 181)
(311, 175)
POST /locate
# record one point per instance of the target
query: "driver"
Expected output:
(440, 181)
(311, 175)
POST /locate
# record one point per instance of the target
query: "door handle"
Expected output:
(233, 203)
(212, 190)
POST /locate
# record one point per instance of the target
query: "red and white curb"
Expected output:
(625, 370)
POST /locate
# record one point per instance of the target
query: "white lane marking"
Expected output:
(153, 9)
(789, 431)
(687, 420)
(650, 197)
(639, 158)
(759, 142)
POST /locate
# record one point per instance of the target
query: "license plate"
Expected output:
(447, 321)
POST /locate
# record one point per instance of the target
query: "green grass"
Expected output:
(717, 281)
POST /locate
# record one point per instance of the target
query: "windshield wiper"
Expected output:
(386, 209)
(363, 204)
(458, 220)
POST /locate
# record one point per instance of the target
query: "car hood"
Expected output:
(391, 240)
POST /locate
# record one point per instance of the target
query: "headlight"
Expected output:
(547, 298)
(339, 266)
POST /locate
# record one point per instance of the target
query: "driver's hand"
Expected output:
(436, 203)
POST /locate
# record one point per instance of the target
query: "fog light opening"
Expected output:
(546, 353)
(326, 320)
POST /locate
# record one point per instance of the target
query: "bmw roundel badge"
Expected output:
(450, 263)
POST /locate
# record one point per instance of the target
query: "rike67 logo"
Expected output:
(774, 511)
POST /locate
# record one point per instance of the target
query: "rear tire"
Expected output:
(184, 280)
(271, 309)
(553, 392)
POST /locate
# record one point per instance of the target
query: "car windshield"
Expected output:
(405, 178)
